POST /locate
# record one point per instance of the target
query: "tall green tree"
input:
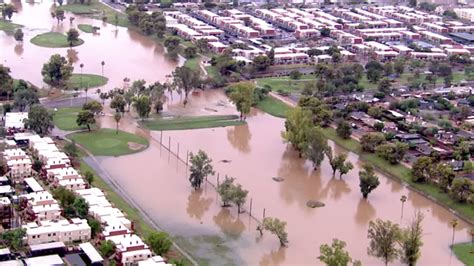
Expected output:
(383, 238)
(411, 241)
(462, 189)
(6, 81)
(185, 79)
(444, 174)
(392, 152)
(94, 106)
(107, 248)
(7, 11)
(317, 145)
(118, 103)
(276, 227)
(242, 95)
(344, 129)
(85, 118)
(25, 98)
(200, 168)
(13, 239)
(298, 125)
(57, 70)
(225, 190)
(368, 180)
(81, 206)
(72, 37)
(370, 141)
(334, 254)
(142, 104)
(421, 169)
(239, 196)
(39, 120)
(159, 242)
(117, 118)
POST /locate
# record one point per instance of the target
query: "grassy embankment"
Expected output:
(53, 40)
(86, 28)
(273, 106)
(403, 174)
(8, 26)
(82, 81)
(464, 252)
(184, 123)
(65, 118)
(106, 142)
(98, 10)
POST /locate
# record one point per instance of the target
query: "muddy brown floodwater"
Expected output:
(158, 183)
(125, 52)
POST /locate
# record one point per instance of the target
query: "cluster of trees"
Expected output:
(232, 193)
(430, 170)
(72, 205)
(387, 241)
(245, 95)
(376, 142)
(154, 23)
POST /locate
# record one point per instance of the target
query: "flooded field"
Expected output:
(254, 154)
(126, 53)
(158, 182)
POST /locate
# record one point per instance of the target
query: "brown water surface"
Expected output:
(158, 182)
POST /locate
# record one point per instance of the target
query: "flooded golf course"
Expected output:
(126, 53)
(253, 153)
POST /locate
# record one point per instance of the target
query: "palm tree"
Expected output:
(86, 89)
(81, 66)
(102, 64)
(117, 117)
(403, 199)
(454, 223)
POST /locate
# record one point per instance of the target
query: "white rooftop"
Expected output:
(44, 260)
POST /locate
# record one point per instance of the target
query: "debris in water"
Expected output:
(226, 161)
(278, 179)
(315, 204)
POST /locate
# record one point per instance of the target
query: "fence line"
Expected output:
(185, 161)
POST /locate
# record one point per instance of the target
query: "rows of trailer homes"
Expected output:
(382, 32)
(46, 228)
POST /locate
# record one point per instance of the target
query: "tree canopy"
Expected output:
(57, 70)
(39, 120)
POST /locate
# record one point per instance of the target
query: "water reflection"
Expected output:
(72, 55)
(275, 257)
(198, 204)
(365, 212)
(19, 49)
(240, 137)
(229, 224)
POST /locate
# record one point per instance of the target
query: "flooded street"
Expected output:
(158, 182)
(126, 53)
(254, 154)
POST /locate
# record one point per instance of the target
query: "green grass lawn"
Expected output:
(464, 252)
(285, 83)
(212, 72)
(65, 118)
(86, 28)
(273, 106)
(53, 40)
(193, 63)
(8, 26)
(98, 10)
(105, 142)
(183, 123)
(402, 173)
(82, 81)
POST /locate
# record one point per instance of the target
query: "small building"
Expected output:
(5, 255)
(48, 249)
(463, 37)
(51, 260)
(19, 168)
(32, 185)
(130, 248)
(65, 231)
(92, 257)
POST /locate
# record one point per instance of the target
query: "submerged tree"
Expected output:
(335, 254)
(317, 145)
(276, 227)
(411, 242)
(72, 37)
(242, 96)
(57, 70)
(200, 168)
(184, 78)
(383, 238)
(338, 162)
(368, 180)
(225, 190)
(142, 104)
(298, 125)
